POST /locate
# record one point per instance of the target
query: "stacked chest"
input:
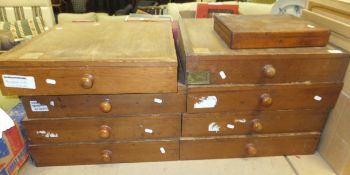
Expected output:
(254, 102)
(97, 93)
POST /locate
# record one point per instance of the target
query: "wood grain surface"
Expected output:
(258, 122)
(90, 105)
(227, 98)
(245, 65)
(91, 153)
(138, 127)
(236, 146)
(269, 31)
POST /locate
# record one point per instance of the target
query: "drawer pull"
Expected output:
(105, 131)
(106, 156)
(106, 106)
(266, 100)
(256, 125)
(251, 150)
(87, 81)
(269, 71)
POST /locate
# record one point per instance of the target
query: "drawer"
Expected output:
(104, 105)
(210, 61)
(99, 153)
(248, 146)
(103, 128)
(234, 123)
(228, 98)
(88, 80)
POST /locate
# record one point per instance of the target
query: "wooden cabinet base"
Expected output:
(248, 146)
(98, 153)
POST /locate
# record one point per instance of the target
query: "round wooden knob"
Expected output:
(105, 131)
(106, 156)
(106, 106)
(251, 150)
(256, 125)
(266, 100)
(269, 71)
(87, 81)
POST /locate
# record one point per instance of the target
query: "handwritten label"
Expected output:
(37, 107)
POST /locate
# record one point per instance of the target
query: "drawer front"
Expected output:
(103, 129)
(248, 146)
(85, 80)
(99, 153)
(104, 105)
(271, 97)
(220, 124)
(266, 69)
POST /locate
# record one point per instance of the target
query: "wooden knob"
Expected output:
(251, 150)
(256, 125)
(105, 131)
(106, 106)
(87, 81)
(266, 100)
(106, 156)
(269, 71)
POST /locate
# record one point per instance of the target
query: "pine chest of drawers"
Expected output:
(254, 102)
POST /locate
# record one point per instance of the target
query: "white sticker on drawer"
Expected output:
(206, 102)
(37, 107)
(230, 126)
(222, 75)
(213, 127)
(317, 98)
(50, 81)
(162, 150)
(18, 81)
(158, 100)
(150, 131)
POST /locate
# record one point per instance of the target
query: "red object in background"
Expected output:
(14, 137)
(205, 10)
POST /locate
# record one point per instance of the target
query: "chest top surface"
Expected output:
(97, 44)
(200, 39)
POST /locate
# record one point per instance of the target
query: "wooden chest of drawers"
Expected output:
(254, 102)
(93, 58)
(100, 101)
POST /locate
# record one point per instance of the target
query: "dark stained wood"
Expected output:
(122, 104)
(248, 98)
(245, 66)
(269, 31)
(245, 146)
(259, 122)
(136, 58)
(94, 153)
(107, 80)
(101, 129)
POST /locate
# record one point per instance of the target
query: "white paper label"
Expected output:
(222, 75)
(158, 100)
(230, 126)
(206, 102)
(213, 127)
(335, 51)
(148, 130)
(240, 121)
(52, 103)
(162, 150)
(317, 98)
(37, 107)
(50, 81)
(47, 134)
(17, 81)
